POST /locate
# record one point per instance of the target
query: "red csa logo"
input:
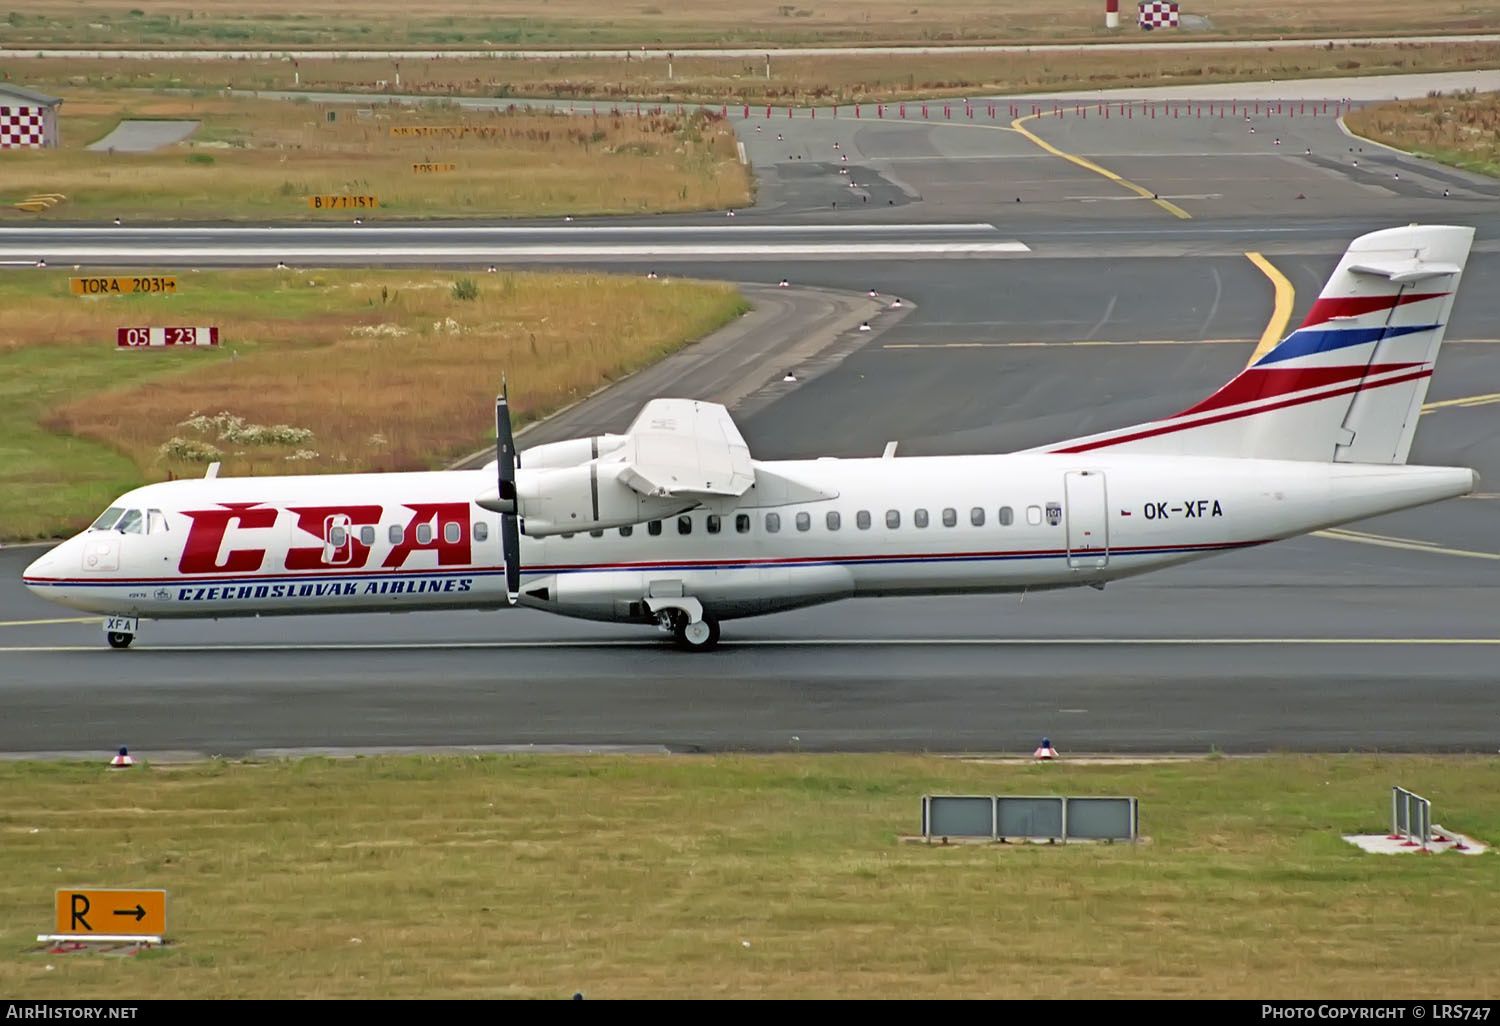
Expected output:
(200, 553)
(337, 527)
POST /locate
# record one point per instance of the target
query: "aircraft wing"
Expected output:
(683, 448)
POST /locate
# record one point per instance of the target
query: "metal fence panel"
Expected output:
(1101, 818)
(958, 816)
(1029, 817)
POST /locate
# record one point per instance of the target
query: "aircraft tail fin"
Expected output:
(1345, 387)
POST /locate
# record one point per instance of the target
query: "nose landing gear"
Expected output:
(119, 639)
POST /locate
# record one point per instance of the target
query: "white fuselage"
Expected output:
(909, 526)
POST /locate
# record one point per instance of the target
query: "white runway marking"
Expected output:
(648, 643)
(502, 251)
(437, 228)
(60, 619)
(1412, 544)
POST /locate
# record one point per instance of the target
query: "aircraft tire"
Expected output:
(119, 639)
(702, 636)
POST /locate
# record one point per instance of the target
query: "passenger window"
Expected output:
(684, 525)
(107, 519)
(627, 531)
(773, 523)
(919, 517)
(367, 534)
(1007, 516)
(1033, 515)
(396, 533)
(424, 534)
(653, 528)
(804, 521)
(893, 518)
(130, 523)
(337, 536)
(833, 520)
(742, 523)
(950, 517)
(862, 520)
(712, 524)
(452, 533)
(976, 516)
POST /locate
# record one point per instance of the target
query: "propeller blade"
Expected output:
(505, 461)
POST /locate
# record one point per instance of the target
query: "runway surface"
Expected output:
(1382, 636)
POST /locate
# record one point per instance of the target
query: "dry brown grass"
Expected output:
(387, 368)
(1462, 130)
(795, 80)
(262, 158)
(376, 23)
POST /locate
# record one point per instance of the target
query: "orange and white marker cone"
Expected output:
(122, 760)
(1045, 751)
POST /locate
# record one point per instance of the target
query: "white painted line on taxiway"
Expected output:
(504, 252)
(441, 229)
(429, 646)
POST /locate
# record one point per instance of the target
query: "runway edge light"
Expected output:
(122, 760)
(1045, 751)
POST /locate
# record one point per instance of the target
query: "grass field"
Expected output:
(1462, 130)
(532, 23)
(388, 370)
(745, 876)
(262, 159)
(731, 81)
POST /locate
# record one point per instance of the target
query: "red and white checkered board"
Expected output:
(1158, 14)
(20, 126)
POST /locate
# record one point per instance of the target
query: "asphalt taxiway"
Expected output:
(1378, 636)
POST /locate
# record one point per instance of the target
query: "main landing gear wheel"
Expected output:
(699, 636)
(119, 639)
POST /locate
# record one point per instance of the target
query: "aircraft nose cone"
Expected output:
(41, 568)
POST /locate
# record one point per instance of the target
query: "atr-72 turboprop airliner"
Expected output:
(674, 524)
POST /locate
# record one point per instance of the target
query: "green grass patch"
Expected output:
(779, 876)
(388, 370)
(1460, 129)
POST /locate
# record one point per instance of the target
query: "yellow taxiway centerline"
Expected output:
(1411, 544)
(1089, 165)
(1281, 314)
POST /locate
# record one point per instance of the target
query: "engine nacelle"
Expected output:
(562, 500)
(572, 452)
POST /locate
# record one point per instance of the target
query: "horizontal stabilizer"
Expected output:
(1404, 271)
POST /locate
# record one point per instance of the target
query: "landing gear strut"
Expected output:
(119, 639)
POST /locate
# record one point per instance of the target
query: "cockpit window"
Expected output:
(156, 522)
(107, 519)
(130, 523)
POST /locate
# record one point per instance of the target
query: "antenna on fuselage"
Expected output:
(505, 464)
